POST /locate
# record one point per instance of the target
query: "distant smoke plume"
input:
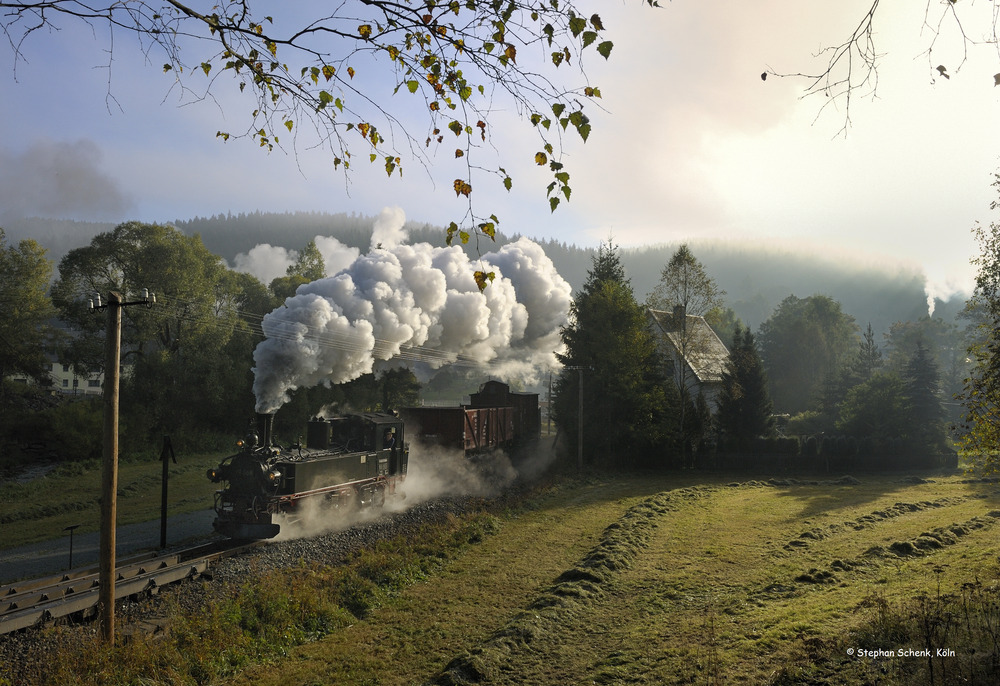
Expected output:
(264, 261)
(416, 303)
(267, 262)
(60, 180)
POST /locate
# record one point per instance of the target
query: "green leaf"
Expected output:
(605, 48)
(589, 37)
(412, 85)
(557, 108)
(553, 203)
(288, 124)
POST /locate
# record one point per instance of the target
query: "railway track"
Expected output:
(74, 595)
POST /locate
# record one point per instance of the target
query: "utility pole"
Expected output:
(109, 462)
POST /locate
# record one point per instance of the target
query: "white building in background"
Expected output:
(695, 355)
(65, 380)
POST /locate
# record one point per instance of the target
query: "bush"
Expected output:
(74, 429)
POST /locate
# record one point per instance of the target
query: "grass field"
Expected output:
(636, 579)
(40, 509)
(658, 580)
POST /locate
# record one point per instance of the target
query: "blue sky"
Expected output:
(693, 146)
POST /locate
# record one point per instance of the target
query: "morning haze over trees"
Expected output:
(817, 366)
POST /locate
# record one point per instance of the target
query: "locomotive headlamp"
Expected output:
(213, 475)
(274, 476)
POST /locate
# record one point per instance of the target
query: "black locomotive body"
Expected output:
(347, 461)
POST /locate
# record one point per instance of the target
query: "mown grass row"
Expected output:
(260, 621)
(574, 589)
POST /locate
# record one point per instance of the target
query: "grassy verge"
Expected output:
(259, 622)
(638, 580)
(40, 509)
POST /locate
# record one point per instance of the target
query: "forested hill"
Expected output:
(756, 278)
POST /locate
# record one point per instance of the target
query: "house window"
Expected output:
(65, 383)
(76, 382)
(65, 367)
(94, 383)
(48, 366)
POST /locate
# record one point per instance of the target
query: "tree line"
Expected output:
(188, 359)
(809, 371)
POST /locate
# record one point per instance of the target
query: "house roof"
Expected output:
(704, 351)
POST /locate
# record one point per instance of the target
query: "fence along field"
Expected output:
(782, 581)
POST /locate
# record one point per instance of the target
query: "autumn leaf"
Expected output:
(540, 158)
(365, 31)
(483, 278)
(462, 187)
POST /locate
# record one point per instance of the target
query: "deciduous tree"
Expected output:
(804, 341)
(190, 354)
(27, 309)
(979, 431)
(685, 288)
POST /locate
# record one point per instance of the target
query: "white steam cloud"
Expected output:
(267, 262)
(416, 303)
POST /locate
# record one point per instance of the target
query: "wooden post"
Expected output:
(109, 472)
(165, 455)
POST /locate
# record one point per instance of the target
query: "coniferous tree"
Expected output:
(922, 380)
(869, 359)
(745, 409)
(610, 347)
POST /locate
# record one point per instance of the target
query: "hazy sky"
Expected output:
(694, 145)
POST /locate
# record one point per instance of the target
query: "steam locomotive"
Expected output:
(358, 459)
(347, 461)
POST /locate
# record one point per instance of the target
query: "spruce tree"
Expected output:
(625, 397)
(745, 408)
(922, 380)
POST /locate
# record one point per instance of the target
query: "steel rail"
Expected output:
(36, 602)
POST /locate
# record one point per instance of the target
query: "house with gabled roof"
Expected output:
(695, 354)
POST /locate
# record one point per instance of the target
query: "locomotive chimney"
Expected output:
(264, 423)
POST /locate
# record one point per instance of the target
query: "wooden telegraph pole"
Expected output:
(109, 464)
(109, 468)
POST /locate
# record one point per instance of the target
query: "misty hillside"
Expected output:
(756, 278)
